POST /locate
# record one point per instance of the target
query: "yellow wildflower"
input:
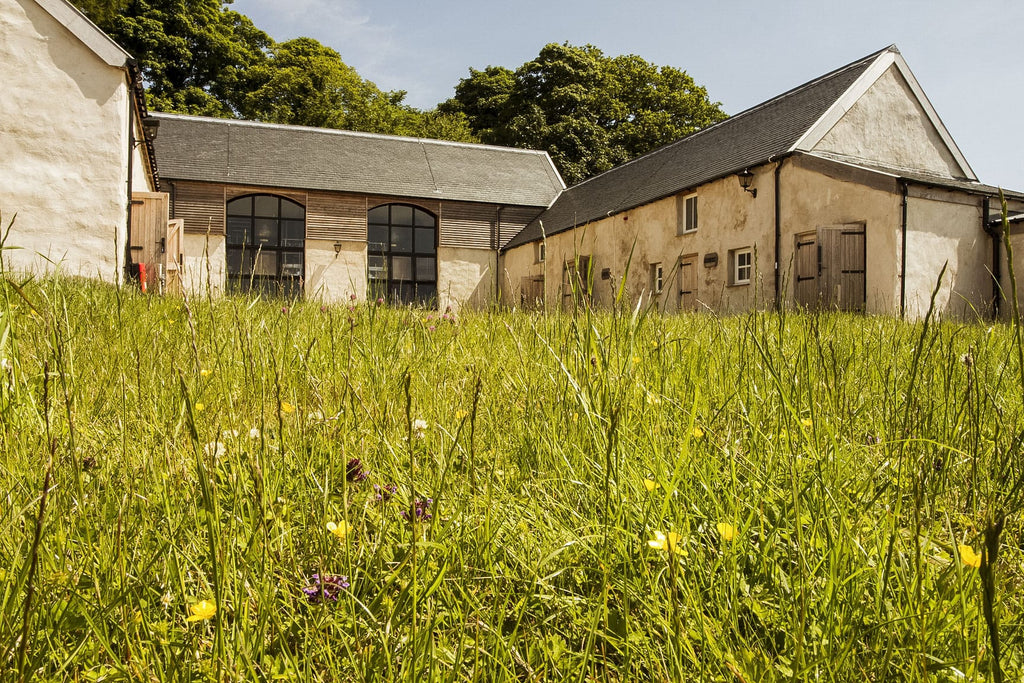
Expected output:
(670, 542)
(287, 408)
(205, 373)
(969, 557)
(461, 415)
(200, 407)
(726, 531)
(339, 529)
(698, 433)
(650, 484)
(201, 611)
(806, 423)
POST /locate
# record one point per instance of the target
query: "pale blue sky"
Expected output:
(968, 56)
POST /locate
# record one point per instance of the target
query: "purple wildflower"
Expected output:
(380, 300)
(420, 510)
(323, 309)
(330, 587)
(384, 493)
(351, 297)
(354, 471)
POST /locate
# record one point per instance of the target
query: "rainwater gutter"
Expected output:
(903, 252)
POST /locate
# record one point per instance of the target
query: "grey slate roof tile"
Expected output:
(246, 153)
(741, 141)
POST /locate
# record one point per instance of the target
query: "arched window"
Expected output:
(266, 239)
(402, 254)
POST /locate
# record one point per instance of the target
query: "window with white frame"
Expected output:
(542, 251)
(687, 217)
(657, 278)
(741, 266)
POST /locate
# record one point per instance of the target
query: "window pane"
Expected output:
(423, 218)
(401, 240)
(265, 232)
(266, 206)
(239, 262)
(378, 215)
(266, 264)
(426, 269)
(401, 215)
(377, 238)
(240, 207)
(375, 267)
(291, 264)
(290, 209)
(425, 292)
(238, 230)
(425, 240)
(292, 233)
(401, 268)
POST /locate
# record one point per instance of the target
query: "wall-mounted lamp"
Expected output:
(337, 248)
(151, 126)
(746, 177)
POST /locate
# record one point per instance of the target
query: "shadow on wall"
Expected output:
(70, 56)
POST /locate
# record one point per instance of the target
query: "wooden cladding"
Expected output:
(513, 220)
(335, 216)
(200, 205)
(331, 216)
(468, 225)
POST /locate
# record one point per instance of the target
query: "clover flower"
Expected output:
(201, 611)
(327, 587)
(354, 471)
(419, 428)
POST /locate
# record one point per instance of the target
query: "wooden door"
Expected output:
(150, 214)
(841, 268)
(806, 270)
(173, 256)
(688, 283)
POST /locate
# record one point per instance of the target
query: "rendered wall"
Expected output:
(888, 126)
(63, 147)
(816, 194)
(946, 228)
(335, 277)
(728, 219)
(466, 277)
(204, 264)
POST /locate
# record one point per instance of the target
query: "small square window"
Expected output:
(687, 214)
(542, 251)
(657, 278)
(741, 262)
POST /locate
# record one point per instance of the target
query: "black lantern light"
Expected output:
(746, 177)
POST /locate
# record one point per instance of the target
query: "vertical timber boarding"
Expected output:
(831, 268)
(150, 215)
(688, 283)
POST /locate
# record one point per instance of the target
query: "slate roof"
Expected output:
(272, 155)
(741, 141)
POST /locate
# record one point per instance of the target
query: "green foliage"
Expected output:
(198, 448)
(589, 111)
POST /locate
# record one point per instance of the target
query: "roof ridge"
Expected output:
(343, 132)
(750, 110)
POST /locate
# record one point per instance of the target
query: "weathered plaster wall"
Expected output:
(728, 219)
(334, 277)
(887, 126)
(465, 277)
(63, 147)
(945, 228)
(204, 262)
(818, 194)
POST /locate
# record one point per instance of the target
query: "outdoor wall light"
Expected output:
(337, 248)
(745, 179)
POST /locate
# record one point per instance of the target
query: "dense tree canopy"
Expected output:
(588, 110)
(199, 57)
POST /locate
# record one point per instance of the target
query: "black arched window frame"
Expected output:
(266, 244)
(402, 254)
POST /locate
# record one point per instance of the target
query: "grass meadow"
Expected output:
(236, 489)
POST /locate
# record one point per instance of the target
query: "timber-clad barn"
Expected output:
(846, 192)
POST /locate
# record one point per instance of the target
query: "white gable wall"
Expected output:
(888, 126)
(64, 132)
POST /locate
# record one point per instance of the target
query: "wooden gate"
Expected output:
(156, 241)
(830, 268)
(688, 283)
